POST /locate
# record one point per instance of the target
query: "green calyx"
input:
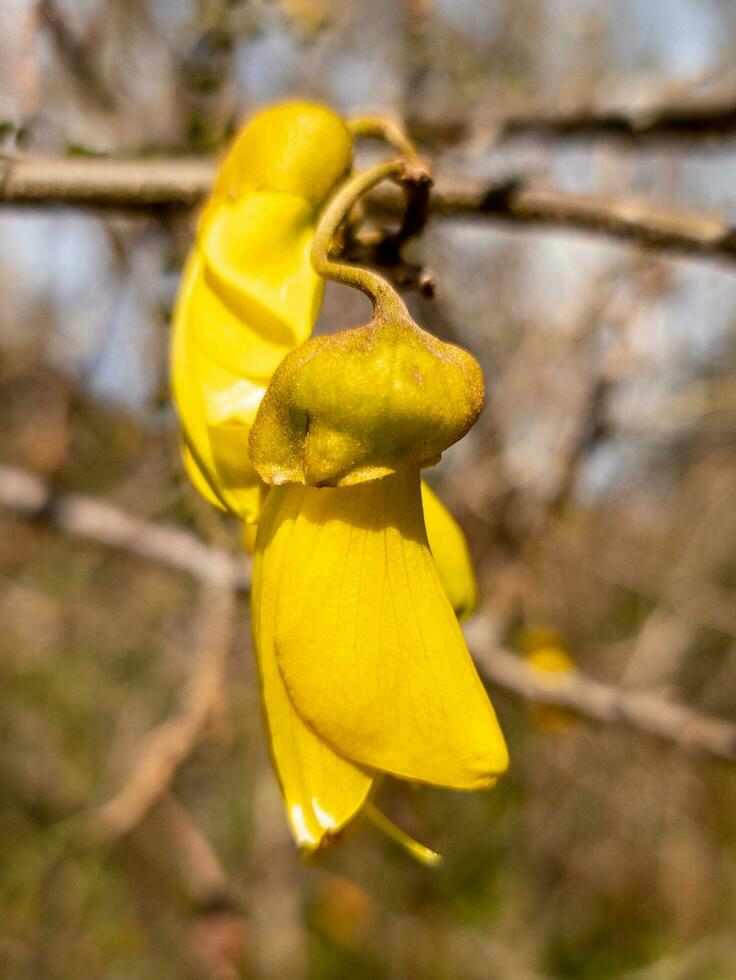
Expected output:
(364, 403)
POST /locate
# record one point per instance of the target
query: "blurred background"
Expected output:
(597, 490)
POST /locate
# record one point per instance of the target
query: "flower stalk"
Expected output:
(386, 301)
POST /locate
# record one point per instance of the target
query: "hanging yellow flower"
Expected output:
(363, 666)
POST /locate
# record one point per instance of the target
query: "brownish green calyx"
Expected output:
(364, 403)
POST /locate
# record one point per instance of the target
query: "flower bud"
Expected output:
(364, 403)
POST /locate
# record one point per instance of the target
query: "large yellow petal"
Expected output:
(366, 640)
(449, 548)
(322, 791)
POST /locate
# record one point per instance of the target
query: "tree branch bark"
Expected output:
(25, 494)
(515, 202)
(686, 120)
(588, 698)
(163, 750)
(100, 182)
(162, 185)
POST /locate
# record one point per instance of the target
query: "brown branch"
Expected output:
(692, 119)
(588, 698)
(635, 221)
(76, 55)
(163, 184)
(604, 703)
(174, 841)
(105, 183)
(191, 855)
(165, 748)
(97, 521)
(687, 121)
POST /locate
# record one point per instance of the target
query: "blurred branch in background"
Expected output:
(151, 185)
(167, 746)
(76, 55)
(104, 183)
(600, 702)
(693, 119)
(89, 518)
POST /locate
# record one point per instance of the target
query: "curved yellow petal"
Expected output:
(216, 409)
(243, 495)
(256, 262)
(322, 791)
(296, 147)
(198, 475)
(366, 640)
(248, 295)
(449, 548)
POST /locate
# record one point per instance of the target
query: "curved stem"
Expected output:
(386, 302)
(376, 127)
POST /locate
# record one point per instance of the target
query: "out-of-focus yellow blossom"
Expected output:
(546, 653)
(363, 667)
(343, 910)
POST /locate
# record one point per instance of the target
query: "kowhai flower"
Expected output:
(546, 652)
(320, 442)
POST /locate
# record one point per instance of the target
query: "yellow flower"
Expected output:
(546, 653)
(363, 667)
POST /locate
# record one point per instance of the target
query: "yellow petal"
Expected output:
(248, 295)
(296, 147)
(243, 497)
(198, 475)
(322, 791)
(216, 410)
(257, 272)
(248, 534)
(449, 549)
(366, 640)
